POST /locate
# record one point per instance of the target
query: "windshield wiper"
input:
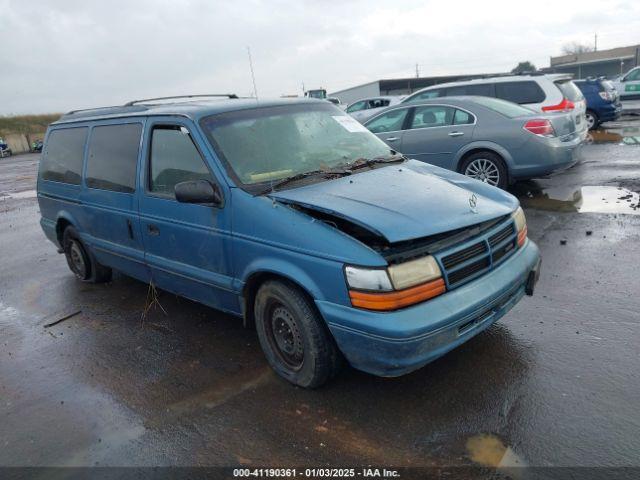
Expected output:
(300, 176)
(367, 162)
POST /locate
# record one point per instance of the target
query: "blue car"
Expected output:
(603, 101)
(292, 215)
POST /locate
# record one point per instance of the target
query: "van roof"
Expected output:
(191, 108)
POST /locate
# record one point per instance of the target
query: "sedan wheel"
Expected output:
(485, 170)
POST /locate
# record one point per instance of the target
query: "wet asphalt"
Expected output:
(555, 382)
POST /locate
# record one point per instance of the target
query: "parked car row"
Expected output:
(5, 151)
(294, 216)
(496, 130)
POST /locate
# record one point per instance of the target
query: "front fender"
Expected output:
(328, 283)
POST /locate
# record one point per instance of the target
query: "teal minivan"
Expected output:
(291, 214)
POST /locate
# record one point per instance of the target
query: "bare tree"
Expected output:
(574, 48)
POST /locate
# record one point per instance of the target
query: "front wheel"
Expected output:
(486, 167)
(592, 120)
(293, 336)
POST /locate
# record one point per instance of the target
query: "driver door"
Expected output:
(187, 246)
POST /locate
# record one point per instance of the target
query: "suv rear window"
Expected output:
(113, 157)
(520, 92)
(63, 155)
(508, 109)
(482, 89)
(569, 90)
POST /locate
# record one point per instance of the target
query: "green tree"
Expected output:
(524, 67)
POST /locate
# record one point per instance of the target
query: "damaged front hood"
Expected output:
(404, 202)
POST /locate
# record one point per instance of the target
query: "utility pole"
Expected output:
(595, 46)
(253, 77)
(417, 71)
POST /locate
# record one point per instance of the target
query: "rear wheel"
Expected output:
(592, 120)
(487, 167)
(80, 262)
(293, 336)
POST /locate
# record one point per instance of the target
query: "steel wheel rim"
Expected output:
(285, 337)
(77, 260)
(591, 121)
(484, 170)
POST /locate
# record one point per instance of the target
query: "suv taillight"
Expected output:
(564, 106)
(542, 128)
(607, 96)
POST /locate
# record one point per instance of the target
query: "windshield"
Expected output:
(263, 145)
(503, 107)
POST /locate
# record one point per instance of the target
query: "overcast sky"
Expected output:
(58, 55)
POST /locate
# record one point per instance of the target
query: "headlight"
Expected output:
(368, 279)
(397, 286)
(521, 225)
(414, 272)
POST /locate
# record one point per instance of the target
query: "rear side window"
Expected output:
(520, 92)
(113, 157)
(570, 91)
(174, 159)
(462, 118)
(482, 89)
(62, 158)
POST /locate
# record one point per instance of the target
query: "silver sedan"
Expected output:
(491, 140)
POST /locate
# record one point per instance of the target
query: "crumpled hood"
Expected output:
(404, 201)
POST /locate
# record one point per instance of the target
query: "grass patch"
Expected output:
(26, 124)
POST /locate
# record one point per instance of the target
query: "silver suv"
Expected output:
(541, 93)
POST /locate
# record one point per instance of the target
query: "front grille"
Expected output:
(497, 255)
(463, 264)
(469, 270)
(501, 235)
(461, 256)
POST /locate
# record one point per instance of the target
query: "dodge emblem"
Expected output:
(473, 202)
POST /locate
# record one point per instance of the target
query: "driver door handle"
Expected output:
(153, 230)
(456, 134)
(392, 139)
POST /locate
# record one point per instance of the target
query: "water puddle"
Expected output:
(621, 136)
(587, 199)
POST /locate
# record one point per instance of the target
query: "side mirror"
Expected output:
(201, 192)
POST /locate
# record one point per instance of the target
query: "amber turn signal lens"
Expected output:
(386, 301)
(522, 236)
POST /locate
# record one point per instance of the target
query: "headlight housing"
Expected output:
(395, 287)
(521, 225)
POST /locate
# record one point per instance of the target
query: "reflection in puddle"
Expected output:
(598, 199)
(622, 136)
(489, 451)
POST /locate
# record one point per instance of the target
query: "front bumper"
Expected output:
(395, 343)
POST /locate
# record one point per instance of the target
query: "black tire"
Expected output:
(493, 164)
(294, 337)
(80, 261)
(593, 122)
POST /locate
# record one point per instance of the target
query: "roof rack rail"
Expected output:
(92, 109)
(134, 102)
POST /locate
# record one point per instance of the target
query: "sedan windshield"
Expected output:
(263, 145)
